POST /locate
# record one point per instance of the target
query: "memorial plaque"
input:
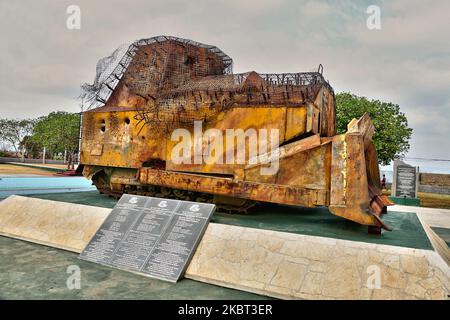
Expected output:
(152, 236)
(405, 186)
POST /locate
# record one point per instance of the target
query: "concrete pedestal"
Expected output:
(277, 264)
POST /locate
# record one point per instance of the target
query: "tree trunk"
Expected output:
(69, 161)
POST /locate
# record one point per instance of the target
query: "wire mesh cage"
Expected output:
(178, 81)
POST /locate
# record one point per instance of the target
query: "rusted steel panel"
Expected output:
(304, 169)
(364, 126)
(241, 119)
(114, 139)
(290, 149)
(300, 163)
(295, 122)
(338, 188)
(357, 188)
(373, 171)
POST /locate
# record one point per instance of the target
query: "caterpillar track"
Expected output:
(234, 206)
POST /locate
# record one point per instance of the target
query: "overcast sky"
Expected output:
(407, 62)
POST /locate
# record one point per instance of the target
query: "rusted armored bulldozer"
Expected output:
(167, 89)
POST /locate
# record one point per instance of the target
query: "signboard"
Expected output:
(152, 236)
(405, 186)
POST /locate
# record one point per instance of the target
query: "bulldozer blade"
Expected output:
(355, 187)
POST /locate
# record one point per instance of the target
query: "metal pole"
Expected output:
(43, 155)
(394, 179)
(417, 181)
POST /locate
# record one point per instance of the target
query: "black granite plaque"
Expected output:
(406, 182)
(152, 236)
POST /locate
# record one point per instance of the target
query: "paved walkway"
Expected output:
(437, 219)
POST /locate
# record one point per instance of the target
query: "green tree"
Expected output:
(31, 149)
(392, 134)
(58, 132)
(13, 131)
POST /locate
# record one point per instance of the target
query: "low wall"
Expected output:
(435, 179)
(291, 266)
(56, 224)
(434, 189)
(434, 183)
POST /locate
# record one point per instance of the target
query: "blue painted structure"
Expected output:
(35, 185)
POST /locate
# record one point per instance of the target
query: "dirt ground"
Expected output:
(11, 169)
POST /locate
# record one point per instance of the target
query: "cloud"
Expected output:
(406, 62)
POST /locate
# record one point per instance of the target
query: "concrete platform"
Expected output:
(408, 231)
(32, 271)
(292, 266)
(57, 224)
(278, 264)
(439, 218)
(436, 223)
(443, 233)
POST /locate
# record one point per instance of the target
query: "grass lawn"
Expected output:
(11, 169)
(434, 200)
